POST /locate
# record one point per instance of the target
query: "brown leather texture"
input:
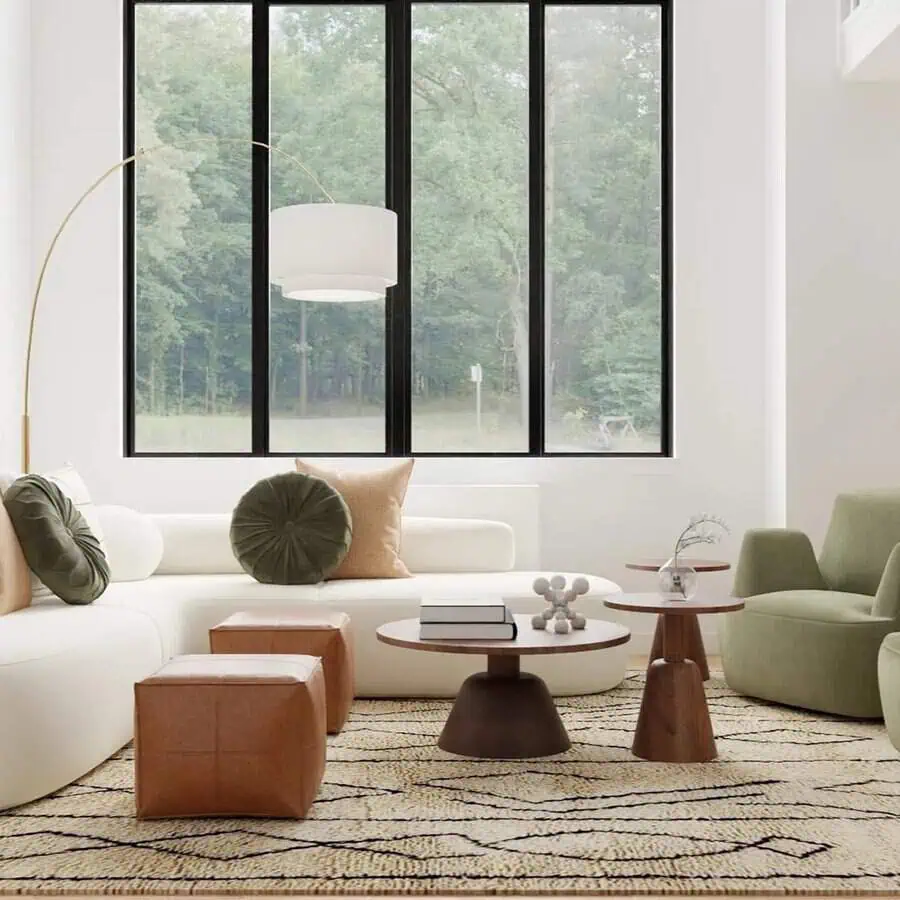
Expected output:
(324, 634)
(230, 736)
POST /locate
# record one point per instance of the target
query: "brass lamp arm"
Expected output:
(26, 426)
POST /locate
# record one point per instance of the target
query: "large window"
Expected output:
(525, 148)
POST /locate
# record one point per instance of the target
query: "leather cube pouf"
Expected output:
(325, 634)
(230, 736)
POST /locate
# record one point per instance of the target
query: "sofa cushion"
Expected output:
(375, 499)
(184, 607)
(66, 684)
(60, 547)
(134, 545)
(813, 606)
(15, 576)
(290, 529)
(456, 545)
(864, 529)
(513, 587)
(196, 544)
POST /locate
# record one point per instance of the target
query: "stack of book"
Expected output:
(466, 619)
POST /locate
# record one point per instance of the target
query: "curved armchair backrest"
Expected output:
(864, 528)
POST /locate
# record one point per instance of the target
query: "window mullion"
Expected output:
(398, 306)
(260, 231)
(536, 228)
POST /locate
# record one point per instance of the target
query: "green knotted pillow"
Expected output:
(57, 542)
(290, 529)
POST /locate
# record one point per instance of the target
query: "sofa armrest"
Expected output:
(776, 559)
(887, 598)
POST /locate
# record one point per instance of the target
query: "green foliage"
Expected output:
(470, 216)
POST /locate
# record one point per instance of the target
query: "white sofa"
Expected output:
(67, 672)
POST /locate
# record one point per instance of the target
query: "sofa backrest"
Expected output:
(864, 529)
(200, 544)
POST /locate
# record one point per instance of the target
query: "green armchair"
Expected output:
(811, 629)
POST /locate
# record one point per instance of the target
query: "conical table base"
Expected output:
(504, 714)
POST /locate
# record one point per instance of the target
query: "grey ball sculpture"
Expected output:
(558, 600)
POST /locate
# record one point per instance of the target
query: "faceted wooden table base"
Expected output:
(504, 714)
(694, 649)
(673, 724)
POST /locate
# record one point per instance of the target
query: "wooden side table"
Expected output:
(694, 641)
(673, 724)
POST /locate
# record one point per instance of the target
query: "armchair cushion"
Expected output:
(776, 559)
(835, 607)
(864, 529)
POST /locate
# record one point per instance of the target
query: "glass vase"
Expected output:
(677, 578)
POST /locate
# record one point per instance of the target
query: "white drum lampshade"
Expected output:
(333, 252)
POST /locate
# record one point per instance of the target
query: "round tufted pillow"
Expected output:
(57, 542)
(290, 529)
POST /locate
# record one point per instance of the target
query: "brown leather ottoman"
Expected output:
(325, 634)
(229, 736)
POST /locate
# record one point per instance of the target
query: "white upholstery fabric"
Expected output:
(67, 672)
(196, 544)
(134, 545)
(66, 688)
(456, 545)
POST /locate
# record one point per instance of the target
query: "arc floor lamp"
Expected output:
(324, 252)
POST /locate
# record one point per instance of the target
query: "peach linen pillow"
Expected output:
(375, 500)
(15, 576)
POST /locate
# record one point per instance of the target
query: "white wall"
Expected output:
(843, 273)
(596, 513)
(15, 217)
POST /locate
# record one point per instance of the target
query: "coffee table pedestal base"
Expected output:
(673, 724)
(504, 714)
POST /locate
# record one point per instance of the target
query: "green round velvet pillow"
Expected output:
(57, 542)
(290, 529)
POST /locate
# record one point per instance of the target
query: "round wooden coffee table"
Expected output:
(695, 649)
(673, 724)
(505, 713)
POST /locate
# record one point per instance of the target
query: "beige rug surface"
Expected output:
(795, 803)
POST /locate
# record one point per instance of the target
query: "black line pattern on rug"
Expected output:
(776, 812)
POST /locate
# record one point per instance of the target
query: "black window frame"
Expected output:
(398, 172)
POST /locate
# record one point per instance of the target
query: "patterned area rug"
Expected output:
(796, 803)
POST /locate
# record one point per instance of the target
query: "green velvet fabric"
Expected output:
(784, 649)
(864, 529)
(889, 685)
(887, 597)
(811, 630)
(291, 529)
(57, 542)
(776, 559)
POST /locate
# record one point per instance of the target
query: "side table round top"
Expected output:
(653, 564)
(596, 635)
(673, 603)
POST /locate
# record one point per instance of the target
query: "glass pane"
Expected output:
(470, 227)
(192, 245)
(327, 359)
(603, 207)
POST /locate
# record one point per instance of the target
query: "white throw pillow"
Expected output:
(134, 544)
(72, 485)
